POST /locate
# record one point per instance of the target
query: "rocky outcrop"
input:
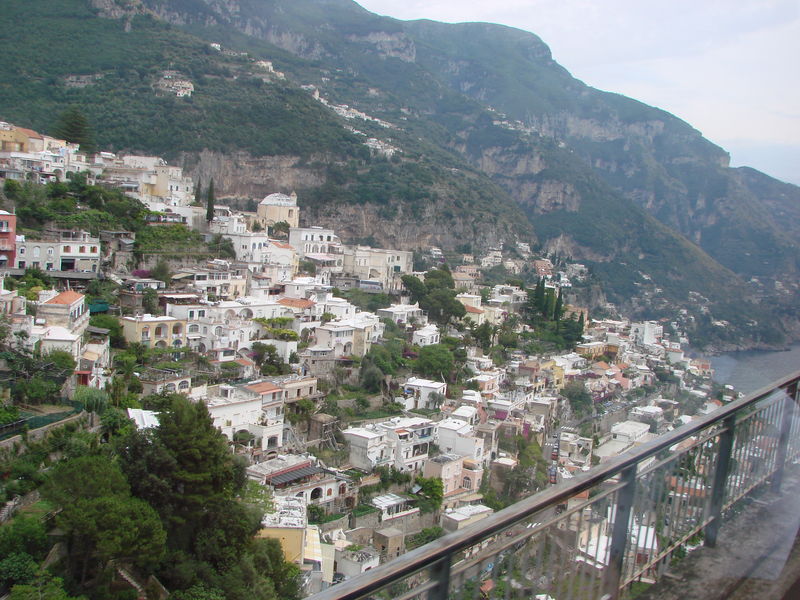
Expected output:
(544, 197)
(435, 225)
(394, 45)
(396, 225)
(500, 161)
(242, 175)
(565, 245)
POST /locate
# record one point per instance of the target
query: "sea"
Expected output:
(752, 370)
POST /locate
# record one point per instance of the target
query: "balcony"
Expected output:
(713, 505)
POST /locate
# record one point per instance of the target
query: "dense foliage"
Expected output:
(58, 203)
(170, 501)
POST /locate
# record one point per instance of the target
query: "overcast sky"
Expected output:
(731, 68)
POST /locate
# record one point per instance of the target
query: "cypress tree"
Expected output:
(538, 295)
(549, 305)
(559, 310)
(210, 202)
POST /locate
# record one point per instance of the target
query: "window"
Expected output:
(36, 251)
(94, 249)
(82, 250)
(21, 264)
(67, 248)
(50, 251)
(22, 251)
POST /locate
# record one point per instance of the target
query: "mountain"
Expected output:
(495, 143)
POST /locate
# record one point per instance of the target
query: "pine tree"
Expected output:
(210, 202)
(73, 126)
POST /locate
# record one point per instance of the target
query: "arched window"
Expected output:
(36, 251)
(194, 328)
(316, 493)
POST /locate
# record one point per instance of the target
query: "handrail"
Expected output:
(443, 548)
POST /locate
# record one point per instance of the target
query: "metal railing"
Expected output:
(606, 533)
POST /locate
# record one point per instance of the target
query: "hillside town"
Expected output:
(379, 397)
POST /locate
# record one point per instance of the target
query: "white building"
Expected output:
(402, 442)
(417, 393)
(459, 518)
(384, 266)
(370, 447)
(427, 336)
(315, 241)
(629, 431)
(646, 333)
(60, 251)
(404, 314)
(458, 437)
(228, 324)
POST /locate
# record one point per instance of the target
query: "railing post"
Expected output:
(440, 571)
(789, 407)
(619, 535)
(720, 479)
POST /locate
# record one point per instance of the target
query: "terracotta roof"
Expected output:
(296, 302)
(30, 133)
(281, 244)
(473, 310)
(263, 388)
(67, 297)
(244, 362)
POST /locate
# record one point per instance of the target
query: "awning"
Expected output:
(293, 475)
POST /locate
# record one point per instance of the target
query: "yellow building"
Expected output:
(155, 332)
(278, 207)
(287, 524)
(19, 139)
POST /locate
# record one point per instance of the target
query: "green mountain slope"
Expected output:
(496, 142)
(652, 157)
(235, 107)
